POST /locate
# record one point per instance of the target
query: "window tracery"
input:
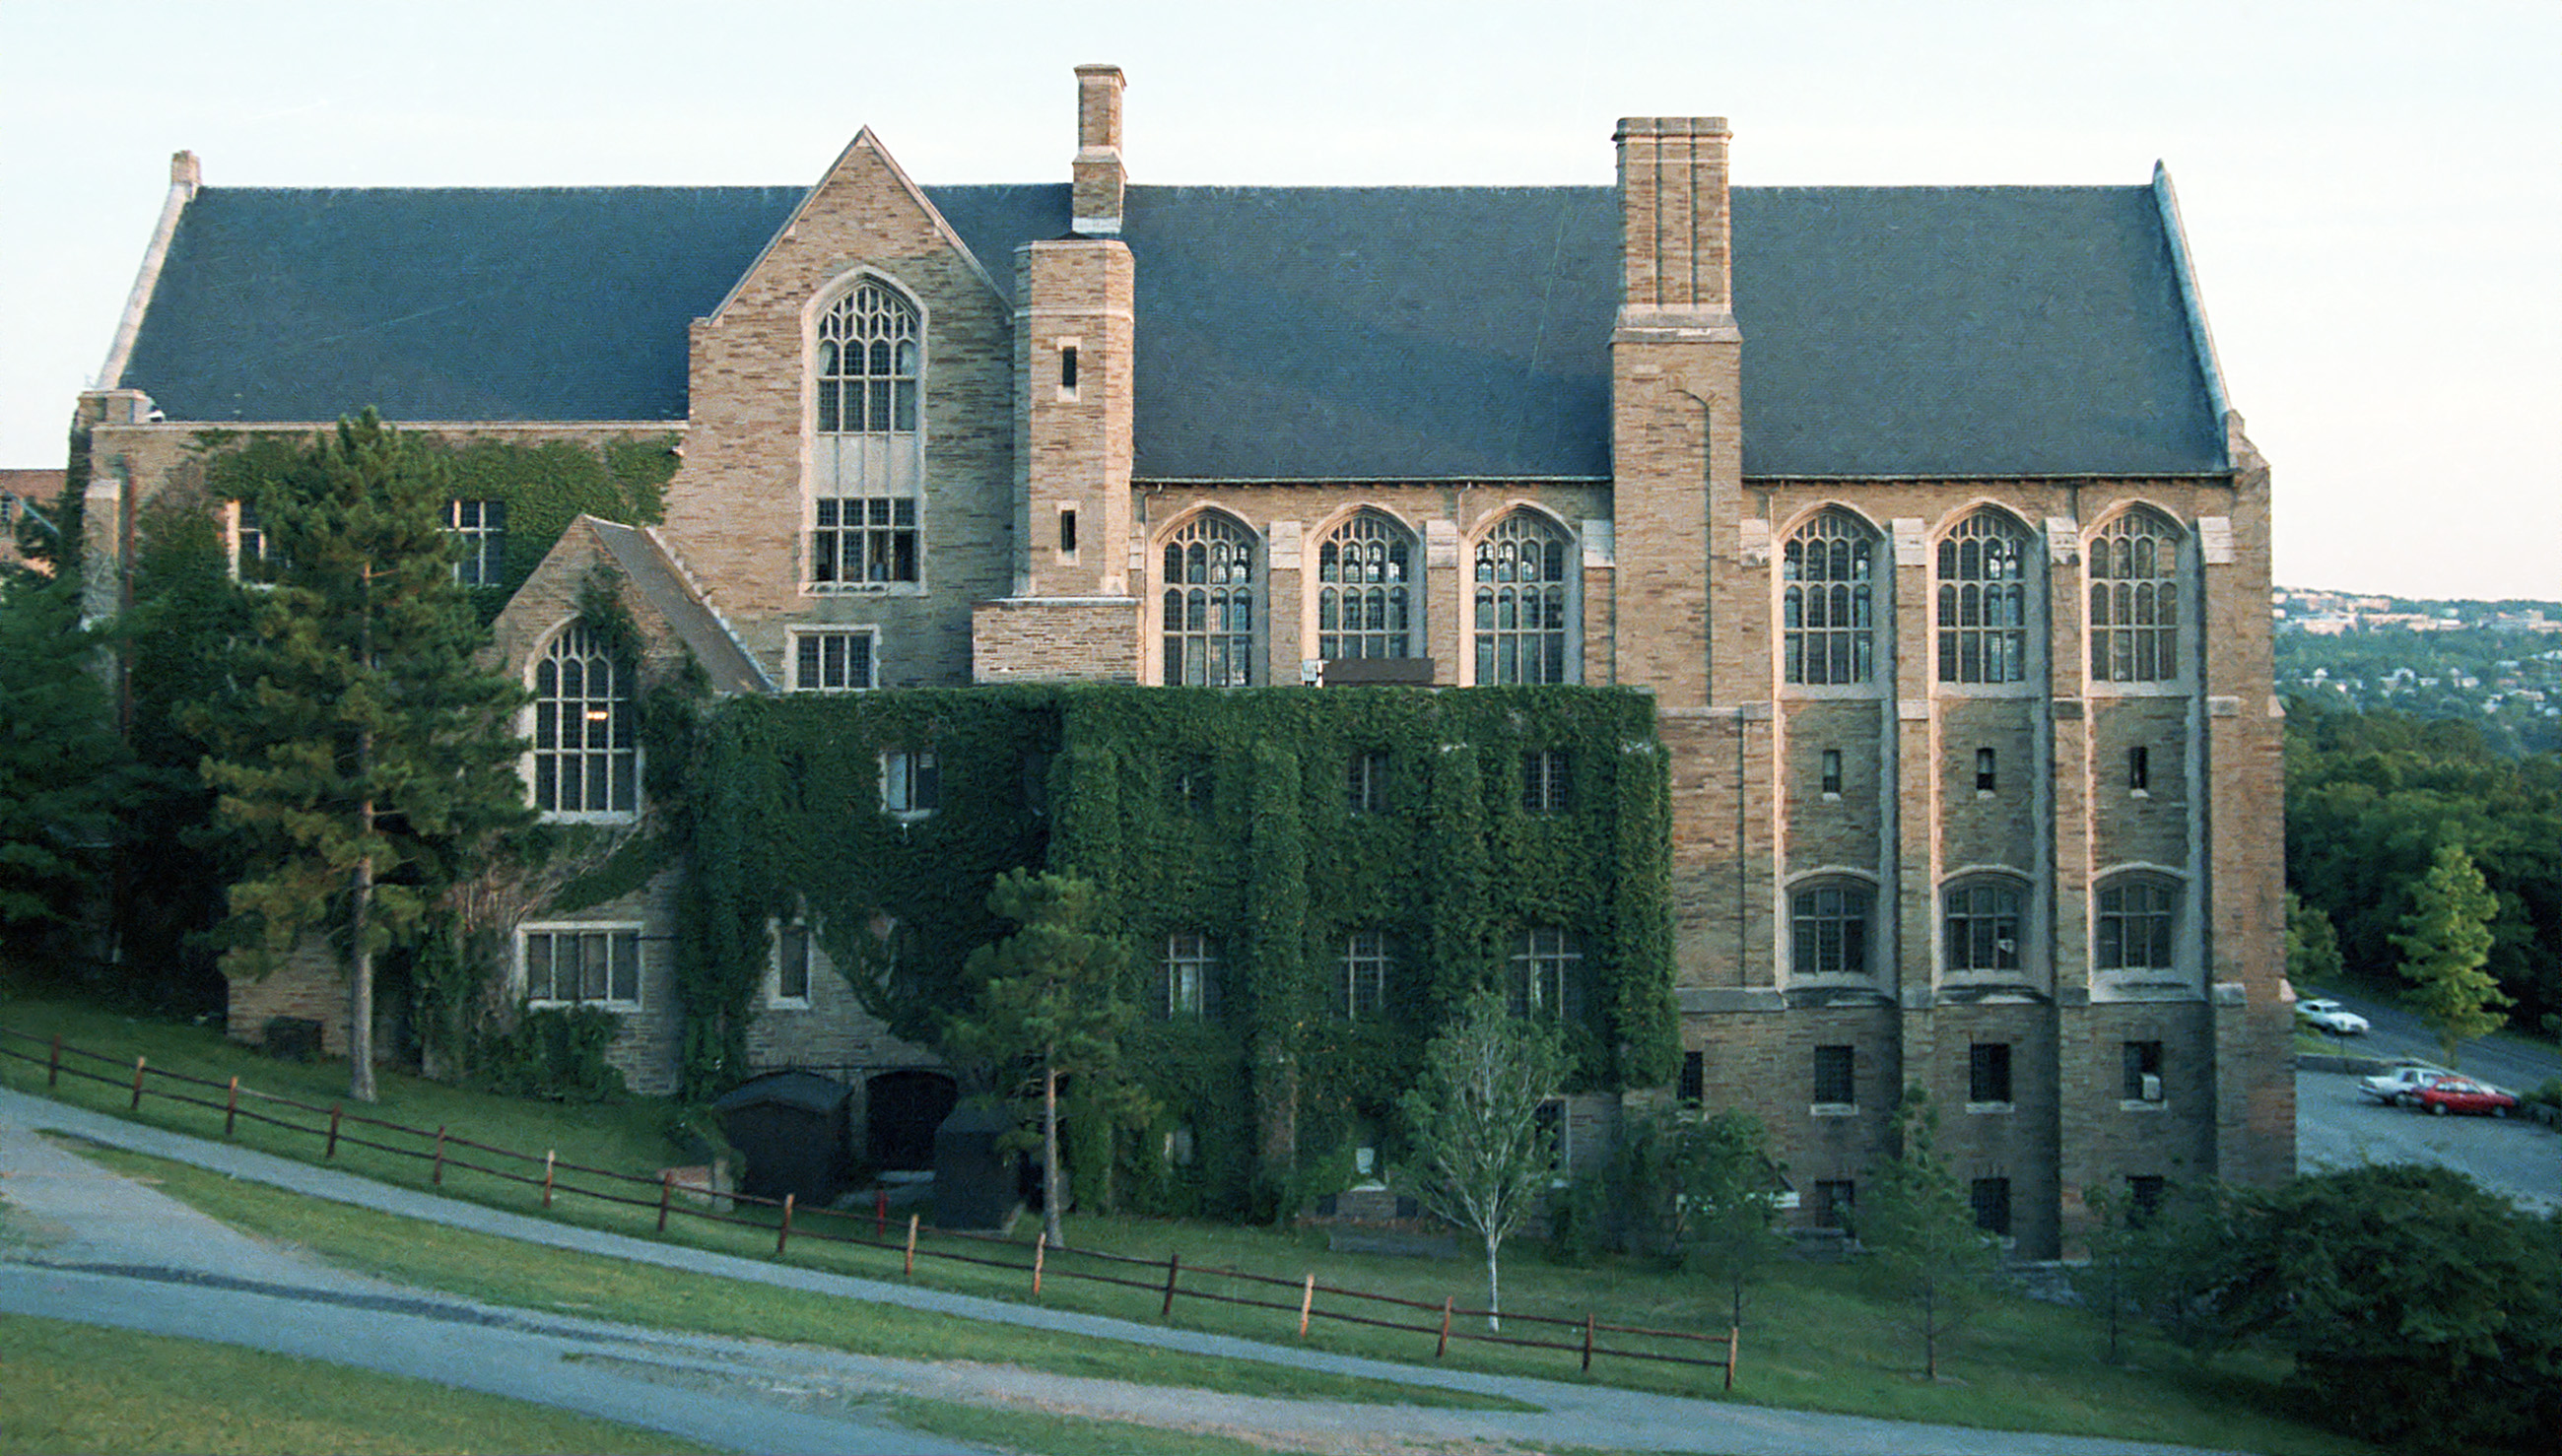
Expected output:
(867, 454)
(1208, 628)
(1524, 601)
(1366, 595)
(1827, 603)
(2133, 566)
(1983, 601)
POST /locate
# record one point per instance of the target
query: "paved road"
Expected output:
(94, 1248)
(2504, 1061)
(2338, 1127)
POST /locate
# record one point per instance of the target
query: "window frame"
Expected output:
(1544, 971)
(865, 495)
(911, 782)
(1982, 950)
(1989, 1200)
(1197, 997)
(1368, 962)
(482, 561)
(1389, 555)
(615, 935)
(2144, 655)
(793, 638)
(1989, 1071)
(781, 937)
(2138, 1059)
(1210, 612)
(547, 729)
(2167, 921)
(1856, 938)
(1834, 1068)
(1547, 780)
(1368, 774)
(1833, 604)
(1500, 594)
(1984, 567)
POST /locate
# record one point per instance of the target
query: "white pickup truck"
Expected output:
(2402, 1084)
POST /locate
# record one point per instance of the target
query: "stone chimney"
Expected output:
(1099, 180)
(1675, 228)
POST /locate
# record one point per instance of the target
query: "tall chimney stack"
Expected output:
(1675, 228)
(1096, 211)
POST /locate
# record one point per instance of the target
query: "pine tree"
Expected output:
(359, 753)
(1481, 1159)
(2445, 941)
(1048, 998)
(1920, 1231)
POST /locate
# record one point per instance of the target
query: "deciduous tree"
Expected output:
(1919, 1229)
(358, 750)
(1481, 1159)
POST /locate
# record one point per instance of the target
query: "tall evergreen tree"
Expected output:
(358, 750)
(2445, 942)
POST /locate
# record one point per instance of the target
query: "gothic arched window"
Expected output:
(1983, 601)
(1827, 604)
(867, 457)
(1209, 603)
(1828, 928)
(1525, 602)
(2135, 599)
(1368, 590)
(585, 755)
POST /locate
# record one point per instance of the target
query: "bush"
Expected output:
(555, 1052)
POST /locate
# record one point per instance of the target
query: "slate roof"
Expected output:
(1283, 333)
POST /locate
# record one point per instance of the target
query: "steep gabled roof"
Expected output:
(1283, 333)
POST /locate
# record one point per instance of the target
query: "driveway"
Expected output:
(84, 1244)
(2336, 1126)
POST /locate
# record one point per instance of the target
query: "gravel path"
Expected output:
(80, 1244)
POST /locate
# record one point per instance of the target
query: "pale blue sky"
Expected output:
(2373, 192)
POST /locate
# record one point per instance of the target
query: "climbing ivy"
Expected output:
(1200, 812)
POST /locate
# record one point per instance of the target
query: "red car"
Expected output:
(2454, 1094)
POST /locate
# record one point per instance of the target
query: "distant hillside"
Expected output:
(2495, 663)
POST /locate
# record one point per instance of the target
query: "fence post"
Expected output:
(1174, 1261)
(911, 1245)
(783, 1235)
(332, 1154)
(1307, 1302)
(1444, 1348)
(439, 1158)
(880, 1212)
(54, 1073)
(1588, 1341)
(1041, 1253)
(1731, 1333)
(549, 1157)
(666, 1185)
(231, 1110)
(138, 1086)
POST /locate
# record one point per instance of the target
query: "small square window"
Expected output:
(1991, 1197)
(911, 783)
(1836, 1079)
(1988, 1072)
(833, 661)
(2143, 1065)
(1366, 782)
(1547, 783)
(1832, 771)
(1986, 780)
(2144, 1193)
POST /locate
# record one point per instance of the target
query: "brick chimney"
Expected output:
(1097, 208)
(1675, 228)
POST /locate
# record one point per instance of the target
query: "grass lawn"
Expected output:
(78, 1387)
(1812, 1340)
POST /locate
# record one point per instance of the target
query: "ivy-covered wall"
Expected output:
(1225, 815)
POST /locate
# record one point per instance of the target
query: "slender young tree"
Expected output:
(356, 748)
(1048, 997)
(2446, 944)
(1481, 1159)
(1730, 1223)
(1920, 1231)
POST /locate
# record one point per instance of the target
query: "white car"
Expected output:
(2331, 1016)
(2402, 1084)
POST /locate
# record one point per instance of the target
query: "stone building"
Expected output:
(1920, 513)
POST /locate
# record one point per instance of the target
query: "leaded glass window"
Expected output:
(1547, 979)
(1828, 930)
(1525, 602)
(585, 755)
(1983, 601)
(1209, 603)
(1827, 604)
(1366, 590)
(1368, 957)
(867, 456)
(2135, 599)
(2134, 925)
(1980, 922)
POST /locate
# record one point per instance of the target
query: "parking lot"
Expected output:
(2336, 1126)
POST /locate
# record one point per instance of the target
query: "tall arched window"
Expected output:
(1209, 603)
(2135, 923)
(1828, 929)
(586, 757)
(2135, 599)
(1524, 601)
(867, 457)
(1983, 601)
(1367, 591)
(1827, 605)
(1979, 920)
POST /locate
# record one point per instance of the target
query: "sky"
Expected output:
(2372, 192)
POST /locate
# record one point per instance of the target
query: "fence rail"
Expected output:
(844, 1226)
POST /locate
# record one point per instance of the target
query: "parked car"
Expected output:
(2400, 1084)
(2455, 1094)
(2331, 1016)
